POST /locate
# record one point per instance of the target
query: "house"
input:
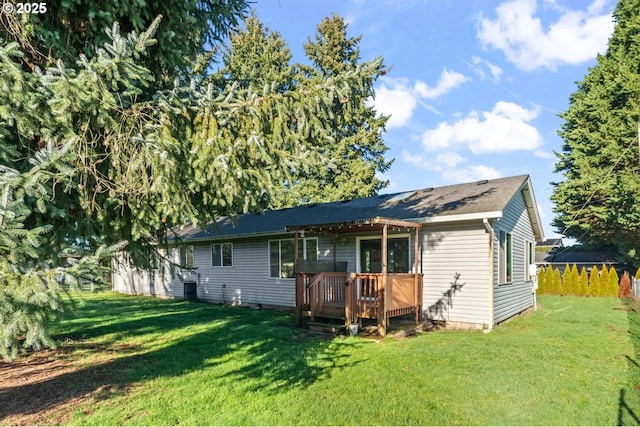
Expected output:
(561, 257)
(460, 254)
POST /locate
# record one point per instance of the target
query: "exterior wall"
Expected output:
(128, 280)
(451, 250)
(512, 298)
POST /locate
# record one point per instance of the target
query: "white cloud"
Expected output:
(396, 101)
(448, 81)
(505, 128)
(398, 98)
(575, 37)
(450, 159)
(470, 173)
(478, 68)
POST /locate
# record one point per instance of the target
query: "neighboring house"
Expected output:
(561, 257)
(461, 254)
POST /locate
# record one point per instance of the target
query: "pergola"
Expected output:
(382, 285)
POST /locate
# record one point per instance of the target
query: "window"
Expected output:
(186, 256)
(281, 255)
(505, 262)
(222, 255)
(529, 260)
(397, 255)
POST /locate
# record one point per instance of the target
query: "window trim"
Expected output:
(183, 250)
(304, 254)
(529, 259)
(505, 258)
(379, 237)
(221, 255)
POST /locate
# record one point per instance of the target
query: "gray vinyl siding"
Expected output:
(449, 249)
(515, 297)
(128, 280)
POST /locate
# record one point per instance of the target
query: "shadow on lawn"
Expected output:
(629, 398)
(267, 353)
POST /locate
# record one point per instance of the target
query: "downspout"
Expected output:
(487, 225)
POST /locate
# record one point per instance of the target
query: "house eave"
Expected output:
(459, 217)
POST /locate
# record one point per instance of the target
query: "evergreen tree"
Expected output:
(542, 281)
(566, 281)
(584, 282)
(625, 286)
(355, 150)
(614, 280)
(575, 281)
(603, 286)
(594, 282)
(145, 156)
(597, 201)
(557, 282)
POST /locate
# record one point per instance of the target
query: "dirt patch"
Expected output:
(43, 387)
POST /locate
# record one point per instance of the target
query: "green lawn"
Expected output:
(144, 361)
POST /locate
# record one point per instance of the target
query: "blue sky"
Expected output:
(476, 86)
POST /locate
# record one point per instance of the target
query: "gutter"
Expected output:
(487, 225)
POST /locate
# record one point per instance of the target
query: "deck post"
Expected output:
(299, 283)
(382, 287)
(416, 248)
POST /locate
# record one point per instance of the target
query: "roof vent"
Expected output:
(482, 182)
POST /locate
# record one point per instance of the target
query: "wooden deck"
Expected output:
(357, 296)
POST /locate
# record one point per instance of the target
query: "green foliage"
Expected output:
(74, 28)
(30, 275)
(597, 201)
(136, 145)
(637, 276)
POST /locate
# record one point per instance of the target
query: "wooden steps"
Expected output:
(326, 327)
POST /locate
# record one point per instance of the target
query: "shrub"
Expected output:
(614, 279)
(625, 286)
(566, 288)
(556, 282)
(542, 281)
(594, 282)
(583, 282)
(604, 281)
(574, 284)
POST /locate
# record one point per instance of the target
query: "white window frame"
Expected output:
(220, 252)
(305, 255)
(505, 254)
(529, 259)
(184, 256)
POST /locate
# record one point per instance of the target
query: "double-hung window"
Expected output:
(186, 256)
(222, 255)
(505, 262)
(282, 255)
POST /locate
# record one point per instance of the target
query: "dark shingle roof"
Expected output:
(470, 198)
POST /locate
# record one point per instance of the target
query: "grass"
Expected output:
(141, 361)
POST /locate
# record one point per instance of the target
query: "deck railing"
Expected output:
(364, 294)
